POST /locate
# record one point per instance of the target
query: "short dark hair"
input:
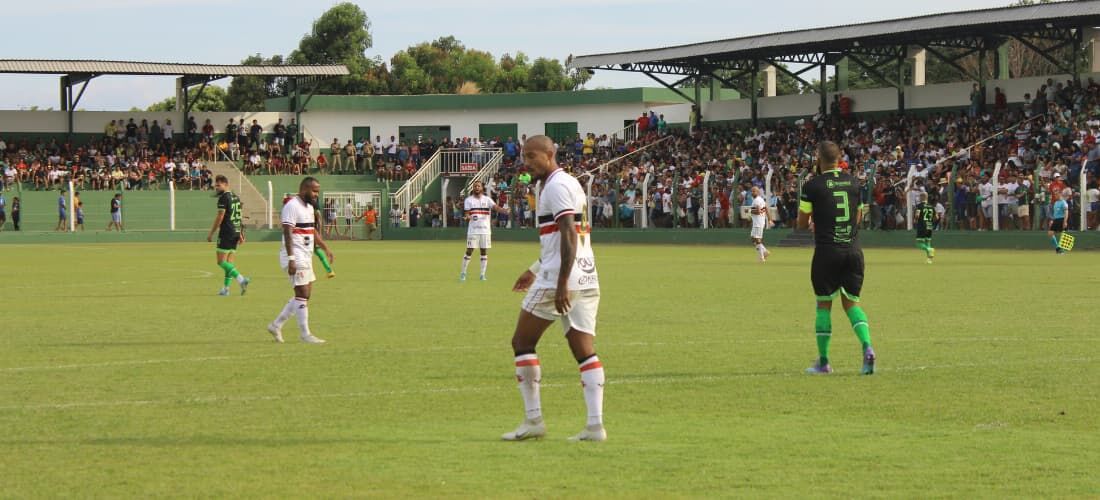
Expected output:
(828, 152)
(307, 181)
(221, 179)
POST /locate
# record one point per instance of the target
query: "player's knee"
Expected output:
(521, 345)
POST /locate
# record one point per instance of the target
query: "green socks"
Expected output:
(324, 260)
(230, 271)
(926, 245)
(823, 325)
(859, 324)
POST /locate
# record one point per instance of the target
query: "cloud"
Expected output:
(52, 7)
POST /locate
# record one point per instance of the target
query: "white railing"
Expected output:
(627, 133)
(645, 200)
(1083, 203)
(488, 161)
(418, 183)
(996, 197)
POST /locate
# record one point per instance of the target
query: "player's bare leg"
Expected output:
(761, 250)
(529, 329)
(592, 380)
(465, 263)
(484, 262)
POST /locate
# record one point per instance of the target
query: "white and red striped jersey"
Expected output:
(562, 196)
(299, 215)
(480, 211)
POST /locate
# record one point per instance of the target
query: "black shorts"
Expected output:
(837, 270)
(1058, 225)
(227, 242)
(923, 232)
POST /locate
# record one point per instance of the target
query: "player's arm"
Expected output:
(317, 240)
(288, 235)
(568, 231)
(526, 279)
(805, 210)
(217, 223)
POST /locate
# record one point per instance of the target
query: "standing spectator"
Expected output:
(80, 215)
(242, 134)
(231, 131)
(370, 220)
(349, 157)
(396, 213)
(116, 213)
(379, 150)
(975, 100)
(1000, 101)
(334, 150)
(280, 133)
(368, 156)
(62, 211)
(131, 132)
(414, 215)
(255, 133)
(643, 124)
(15, 208)
(208, 131)
(156, 135)
(191, 128)
(292, 131)
(391, 150)
(168, 132)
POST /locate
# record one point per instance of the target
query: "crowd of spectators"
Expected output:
(1043, 145)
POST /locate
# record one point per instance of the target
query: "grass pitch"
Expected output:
(124, 375)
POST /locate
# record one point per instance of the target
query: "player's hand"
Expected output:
(330, 255)
(524, 282)
(561, 300)
(240, 240)
(209, 238)
(291, 268)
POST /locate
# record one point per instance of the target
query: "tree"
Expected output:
(212, 99)
(340, 36)
(248, 93)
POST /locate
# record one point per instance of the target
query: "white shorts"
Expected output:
(482, 241)
(1023, 211)
(582, 313)
(304, 274)
(757, 232)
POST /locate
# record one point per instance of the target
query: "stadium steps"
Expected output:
(797, 238)
(253, 204)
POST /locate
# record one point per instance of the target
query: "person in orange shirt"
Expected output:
(322, 163)
(370, 218)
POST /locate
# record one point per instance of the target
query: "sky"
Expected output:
(224, 32)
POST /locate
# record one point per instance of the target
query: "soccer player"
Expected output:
(317, 250)
(62, 212)
(832, 200)
(230, 234)
(299, 221)
(760, 220)
(926, 220)
(1058, 213)
(479, 234)
(561, 285)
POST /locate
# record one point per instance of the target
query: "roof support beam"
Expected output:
(729, 83)
(951, 61)
(1044, 53)
(778, 67)
(670, 87)
(873, 71)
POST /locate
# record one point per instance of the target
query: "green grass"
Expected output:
(125, 376)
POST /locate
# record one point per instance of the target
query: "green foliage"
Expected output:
(247, 93)
(340, 36)
(213, 98)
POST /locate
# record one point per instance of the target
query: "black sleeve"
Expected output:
(223, 202)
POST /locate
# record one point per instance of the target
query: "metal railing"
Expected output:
(488, 162)
(413, 188)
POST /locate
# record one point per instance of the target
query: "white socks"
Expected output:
(484, 264)
(302, 312)
(287, 312)
(465, 263)
(529, 375)
(241, 278)
(761, 249)
(592, 379)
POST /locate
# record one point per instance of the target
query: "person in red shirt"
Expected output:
(322, 163)
(643, 123)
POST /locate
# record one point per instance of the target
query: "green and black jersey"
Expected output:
(833, 198)
(231, 222)
(926, 216)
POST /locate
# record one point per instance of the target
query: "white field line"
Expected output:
(193, 274)
(658, 380)
(382, 349)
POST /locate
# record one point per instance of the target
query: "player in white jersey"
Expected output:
(479, 209)
(300, 234)
(761, 219)
(561, 285)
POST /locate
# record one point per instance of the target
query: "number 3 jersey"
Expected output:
(834, 200)
(562, 196)
(299, 215)
(480, 210)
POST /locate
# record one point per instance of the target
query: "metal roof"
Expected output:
(1004, 20)
(96, 67)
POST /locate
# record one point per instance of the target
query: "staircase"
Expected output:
(253, 204)
(488, 170)
(797, 238)
(413, 188)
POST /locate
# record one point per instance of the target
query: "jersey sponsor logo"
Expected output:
(586, 264)
(588, 279)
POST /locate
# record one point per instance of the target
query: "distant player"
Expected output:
(80, 215)
(761, 219)
(316, 250)
(1058, 212)
(230, 234)
(561, 285)
(479, 210)
(299, 221)
(832, 199)
(62, 212)
(926, 220)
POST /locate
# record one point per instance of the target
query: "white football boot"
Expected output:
(529, 429)
(591, 433)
